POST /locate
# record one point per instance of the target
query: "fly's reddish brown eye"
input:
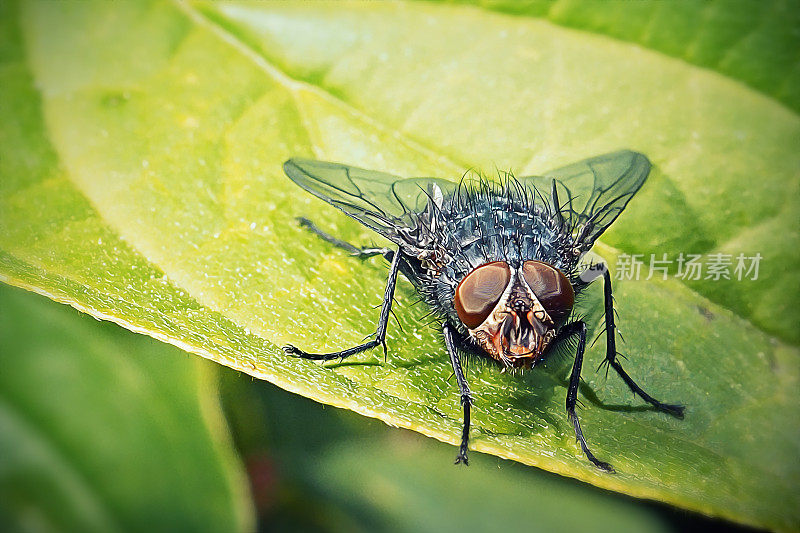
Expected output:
(479, 292)
(551, 287)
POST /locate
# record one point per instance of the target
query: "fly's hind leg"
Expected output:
(361, 253)
(380, 332)
(611, 355)
(450, 341)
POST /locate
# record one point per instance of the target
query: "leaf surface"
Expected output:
(141, 182)
(749, 41)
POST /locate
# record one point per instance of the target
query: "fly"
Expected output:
(499, 263)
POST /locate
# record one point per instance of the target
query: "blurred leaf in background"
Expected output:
(140, 155)
(103, 430)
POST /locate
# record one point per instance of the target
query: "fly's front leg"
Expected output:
(466, 397)
(361, 253)
(611, 355)
(579, 328)
(380, 333)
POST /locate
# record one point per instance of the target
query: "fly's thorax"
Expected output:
(491, 223)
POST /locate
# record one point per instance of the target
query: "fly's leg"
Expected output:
(466, 397)
(380, 333)
(611, 355)
(361, 253)
(579, 327)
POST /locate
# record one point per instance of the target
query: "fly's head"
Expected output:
(514, 313)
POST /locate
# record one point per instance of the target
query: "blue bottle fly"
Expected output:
(499, 263)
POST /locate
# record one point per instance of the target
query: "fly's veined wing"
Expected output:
(382, 202)
(592, 193)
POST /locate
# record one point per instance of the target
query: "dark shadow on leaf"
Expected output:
(589, 395)
(351, 363)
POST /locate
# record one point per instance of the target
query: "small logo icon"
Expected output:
(592, 271)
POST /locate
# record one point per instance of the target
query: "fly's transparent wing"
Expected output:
(383, 202)
(592, 193)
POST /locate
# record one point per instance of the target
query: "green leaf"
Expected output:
(107, 432)
(754, 42)
(415, 477)
(141, 182)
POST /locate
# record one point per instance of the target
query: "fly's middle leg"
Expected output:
(380, 332)
(579, 328)
(611, 355)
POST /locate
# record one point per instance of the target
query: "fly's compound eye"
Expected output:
(551, 287)
(479, 292)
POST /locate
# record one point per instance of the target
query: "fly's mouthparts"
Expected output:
(521, 333)
(516, 339)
